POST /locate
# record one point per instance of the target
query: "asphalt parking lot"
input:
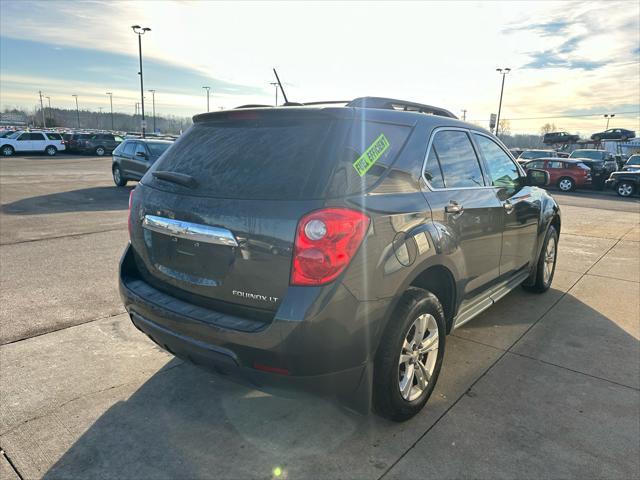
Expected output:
(537, 387)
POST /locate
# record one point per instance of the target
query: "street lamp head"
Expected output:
(499, 70)
(507, 70)
(206, 88)
(135, 28)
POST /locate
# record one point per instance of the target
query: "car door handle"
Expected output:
(508, 206)
(454, 208)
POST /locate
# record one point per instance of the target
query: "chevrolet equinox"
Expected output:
(332, 247)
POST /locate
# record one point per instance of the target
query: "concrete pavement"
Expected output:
(539, 386)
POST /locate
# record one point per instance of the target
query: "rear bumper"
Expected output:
(325, 350)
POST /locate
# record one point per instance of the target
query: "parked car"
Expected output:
(99, 144)
(614, 134)
(566, 174)
(6, 133)
(625, 183)
(75, 140)
(559, 137)
(381, 259)
(516, 152)
(32, 141)
(133, 157)
(532, 154)
(633, 163)
(601, 162)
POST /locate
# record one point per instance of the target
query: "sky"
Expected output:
(568, 60)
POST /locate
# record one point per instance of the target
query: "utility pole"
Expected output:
(44, 121)
(111, 103)
(138, 30)
(503, 72)
(207, 89)
(275, 84)
(77, 110)
(153, 96)
(464, 115)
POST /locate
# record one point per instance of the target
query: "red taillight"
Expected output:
(130, 202)
(326, 240)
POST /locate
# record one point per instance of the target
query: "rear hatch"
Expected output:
(214, 219)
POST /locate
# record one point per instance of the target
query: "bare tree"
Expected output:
(548, 128)
(505, 127)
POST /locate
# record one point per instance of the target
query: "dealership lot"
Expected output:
(538, 386)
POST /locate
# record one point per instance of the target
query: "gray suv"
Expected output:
(332, 248)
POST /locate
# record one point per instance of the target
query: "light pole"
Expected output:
(608, 117)
(44, 122)
(207, 89)
(111, 103)
(49, 99)
(275, 84)
(503, 72)
(138, 30)
(153, 97)
(77, 110)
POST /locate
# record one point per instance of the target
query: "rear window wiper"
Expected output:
(175, 177)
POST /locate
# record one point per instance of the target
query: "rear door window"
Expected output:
(54, 136)
(140, 148)
(129, 148)
(457, 159)
(36, 136)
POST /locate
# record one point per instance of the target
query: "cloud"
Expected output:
(554, 59)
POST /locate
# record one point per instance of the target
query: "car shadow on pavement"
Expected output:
(82, 200)
(188, 423)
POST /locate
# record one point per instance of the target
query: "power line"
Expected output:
(560, 116)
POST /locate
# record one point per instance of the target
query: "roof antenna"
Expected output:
(286, 100)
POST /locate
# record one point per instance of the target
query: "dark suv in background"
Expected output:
(101, 144)
(132, 158)
(332, 248)
(601, 163)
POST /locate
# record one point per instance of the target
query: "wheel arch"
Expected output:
(440, 281)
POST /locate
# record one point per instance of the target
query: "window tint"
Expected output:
(157, 149)
(502, 170)
(535, 164)
(129, 148)
(140, 148)
(457, 159)
(432, 171)
(556, 165)
(24, 136)
(37, 136)
(54, 136)
(282, 156)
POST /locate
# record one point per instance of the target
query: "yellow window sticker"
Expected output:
(371, 155)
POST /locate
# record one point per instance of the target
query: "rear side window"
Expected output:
(453, 152)
(54, 136)
(554, 164)
(535, 164)
(282, 157)
(129, 148)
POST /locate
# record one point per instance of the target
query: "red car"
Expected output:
(565, 173)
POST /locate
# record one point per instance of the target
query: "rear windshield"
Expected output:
(282, 158)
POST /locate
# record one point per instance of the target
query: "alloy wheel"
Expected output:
(418, 357)
(549, 260)
(100, 151)
(116, 175)
(625, 190)
(565, 185)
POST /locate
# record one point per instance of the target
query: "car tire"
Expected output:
(567, 184)
(7, 150)
(542, 277)
(118, 178)
(100, 151)
(625, 189)
(398, 393)
(51, 151)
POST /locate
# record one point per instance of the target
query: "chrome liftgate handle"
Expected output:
(190, 231)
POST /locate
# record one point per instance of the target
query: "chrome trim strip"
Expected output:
(190, 231)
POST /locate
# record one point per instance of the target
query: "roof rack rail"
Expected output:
(394, 104)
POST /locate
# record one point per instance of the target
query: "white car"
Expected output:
(38, 141)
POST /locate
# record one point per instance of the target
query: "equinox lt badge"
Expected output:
(255, 296)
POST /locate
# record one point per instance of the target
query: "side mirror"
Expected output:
(141, 154)
(537, 178)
